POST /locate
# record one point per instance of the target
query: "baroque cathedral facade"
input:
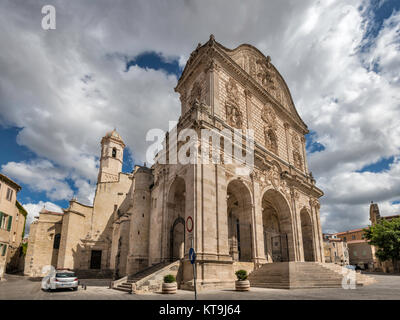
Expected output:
(270, 215)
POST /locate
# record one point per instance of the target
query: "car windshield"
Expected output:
(65, 275)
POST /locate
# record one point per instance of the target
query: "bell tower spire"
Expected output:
(112, 154)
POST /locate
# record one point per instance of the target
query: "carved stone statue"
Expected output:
(269, 117)
(195, 93)
(234, 116)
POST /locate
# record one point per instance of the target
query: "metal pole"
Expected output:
(194, 276)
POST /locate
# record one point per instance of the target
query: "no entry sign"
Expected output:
(189, 224)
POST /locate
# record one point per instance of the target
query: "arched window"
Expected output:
(57, 239)
(114, 152)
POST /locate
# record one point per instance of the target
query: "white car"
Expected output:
(59, 279)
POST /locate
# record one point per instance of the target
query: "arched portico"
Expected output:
(277, 227)
(176, 219)
(239, 210)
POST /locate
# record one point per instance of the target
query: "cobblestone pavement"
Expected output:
(19, 287)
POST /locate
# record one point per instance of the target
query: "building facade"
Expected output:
(262, 213)
(336, 250)
(12, 224)
(361, 253)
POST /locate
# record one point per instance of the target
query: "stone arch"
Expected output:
(307, 235)
(177, 238)
(239, 211)
(176, 205)
(277, 227)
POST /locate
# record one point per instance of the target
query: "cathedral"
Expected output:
(137, 224)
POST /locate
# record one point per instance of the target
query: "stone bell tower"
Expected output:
(112, 154)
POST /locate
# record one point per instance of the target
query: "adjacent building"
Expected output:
(12, 224)
(361, 253)
(336, 250)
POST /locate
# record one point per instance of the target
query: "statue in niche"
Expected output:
(234, 116)
(195, 93)
(269, 117)
(271, 140)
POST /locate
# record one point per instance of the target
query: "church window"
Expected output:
(56, 244)
(114, 152)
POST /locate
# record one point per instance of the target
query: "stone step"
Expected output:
(121, 288)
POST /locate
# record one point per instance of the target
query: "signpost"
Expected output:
(192, 253)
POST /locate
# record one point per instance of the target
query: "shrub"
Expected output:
(169, 278)
(241, 275)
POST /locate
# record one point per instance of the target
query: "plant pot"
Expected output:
(242, 285)
(169, 288)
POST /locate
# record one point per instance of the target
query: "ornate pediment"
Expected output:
(246, 64)
(260, 68)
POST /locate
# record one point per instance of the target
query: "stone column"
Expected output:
(212, 98)
(286, 126)
(249, 111)
(257, 223)
(321, 247)
(303, 148)
(297, 232)
(315, 232)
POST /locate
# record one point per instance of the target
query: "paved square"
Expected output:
(19, 287)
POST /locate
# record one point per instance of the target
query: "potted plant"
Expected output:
(242, 284)
(169, 284)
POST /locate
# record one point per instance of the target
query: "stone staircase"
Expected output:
(147, 280)
(291, 275)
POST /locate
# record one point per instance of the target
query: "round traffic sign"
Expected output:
(189, 224)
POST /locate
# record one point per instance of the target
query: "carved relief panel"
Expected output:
(270, 128)
(234, 115)
(297, 158)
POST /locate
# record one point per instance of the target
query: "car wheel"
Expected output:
(75, 289)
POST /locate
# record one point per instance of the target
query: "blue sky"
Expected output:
(339, 59)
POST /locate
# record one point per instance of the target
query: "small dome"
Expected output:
(113, 134)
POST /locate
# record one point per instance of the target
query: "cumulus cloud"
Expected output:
(41, 176)
(67, 87)
(33, 210)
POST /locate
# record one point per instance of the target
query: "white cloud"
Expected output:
(314, 44)
(41, 176)
(33, 210)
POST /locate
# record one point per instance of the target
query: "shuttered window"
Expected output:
(9, 223)
(9, 194)
(4, 250)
